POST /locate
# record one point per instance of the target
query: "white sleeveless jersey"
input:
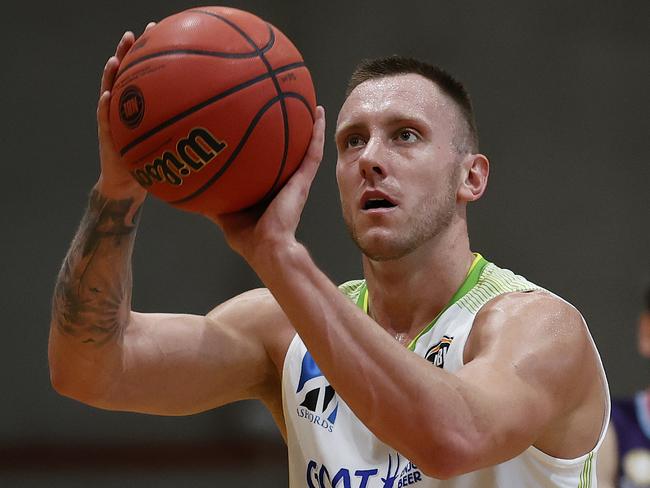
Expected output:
(330, 447)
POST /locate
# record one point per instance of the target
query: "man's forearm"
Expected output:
(367, 367)
(92, 295)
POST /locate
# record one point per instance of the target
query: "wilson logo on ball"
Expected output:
(192, 154)
(131, 106)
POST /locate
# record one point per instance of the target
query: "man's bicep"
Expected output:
(177, 364)
(531, 367)
(508, 412)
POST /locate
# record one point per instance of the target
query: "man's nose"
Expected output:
(371, 165)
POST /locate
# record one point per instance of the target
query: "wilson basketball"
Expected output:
(212, 109)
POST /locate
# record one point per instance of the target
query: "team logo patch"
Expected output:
(317, 400)
(437, 353)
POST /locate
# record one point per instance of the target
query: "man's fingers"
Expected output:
(296, 190)
(315, 149)
(314, 153)
(113, 63)
(124, 45)
(102, 114)
(108, 76)
(149, 26)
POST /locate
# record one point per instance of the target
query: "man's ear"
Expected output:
(475, 169)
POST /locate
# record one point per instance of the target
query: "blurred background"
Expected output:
(561, 96)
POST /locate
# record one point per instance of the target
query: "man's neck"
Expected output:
(407, 293)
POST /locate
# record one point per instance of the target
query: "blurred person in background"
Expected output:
(624, 459)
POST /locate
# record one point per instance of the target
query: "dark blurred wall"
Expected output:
(561, 95)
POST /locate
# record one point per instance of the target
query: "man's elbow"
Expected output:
(62, 378)
(84, 392)
(441, 467)
(79, 380)
(450, 458)
(65, 384)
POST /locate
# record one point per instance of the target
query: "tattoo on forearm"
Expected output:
(93, 291)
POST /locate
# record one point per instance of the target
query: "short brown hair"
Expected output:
(370, 69)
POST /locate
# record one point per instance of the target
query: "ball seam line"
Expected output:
(205, 103)
(241, 144)
(198, 52)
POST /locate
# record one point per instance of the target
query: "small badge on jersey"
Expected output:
(437, 353)
(317, 400)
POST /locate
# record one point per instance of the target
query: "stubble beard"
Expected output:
(428, 222)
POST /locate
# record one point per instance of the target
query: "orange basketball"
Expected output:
(212, 109)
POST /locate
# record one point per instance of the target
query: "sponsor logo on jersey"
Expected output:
(437, 353)
(397, 473)
(317, 400)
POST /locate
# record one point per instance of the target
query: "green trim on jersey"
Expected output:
(357, 291)
(354, 290)
(470, 282)
(484, 281)
(585, 475)
(493, 281)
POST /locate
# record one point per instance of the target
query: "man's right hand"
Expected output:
(115, 180)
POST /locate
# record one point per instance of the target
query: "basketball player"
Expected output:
(439, 369)
(625, 455)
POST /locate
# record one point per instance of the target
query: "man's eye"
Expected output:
(354, 141)
(407, 135)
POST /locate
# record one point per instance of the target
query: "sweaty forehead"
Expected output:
(397, 96)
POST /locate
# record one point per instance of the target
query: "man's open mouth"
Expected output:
(373, 203)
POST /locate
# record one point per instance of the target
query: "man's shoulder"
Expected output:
(534, 307)
(251, 299)
(257, 315)
(532, 319)
(487, 281)
(251, 310)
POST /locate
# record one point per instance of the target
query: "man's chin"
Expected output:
(378, 244)
(382, 249)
